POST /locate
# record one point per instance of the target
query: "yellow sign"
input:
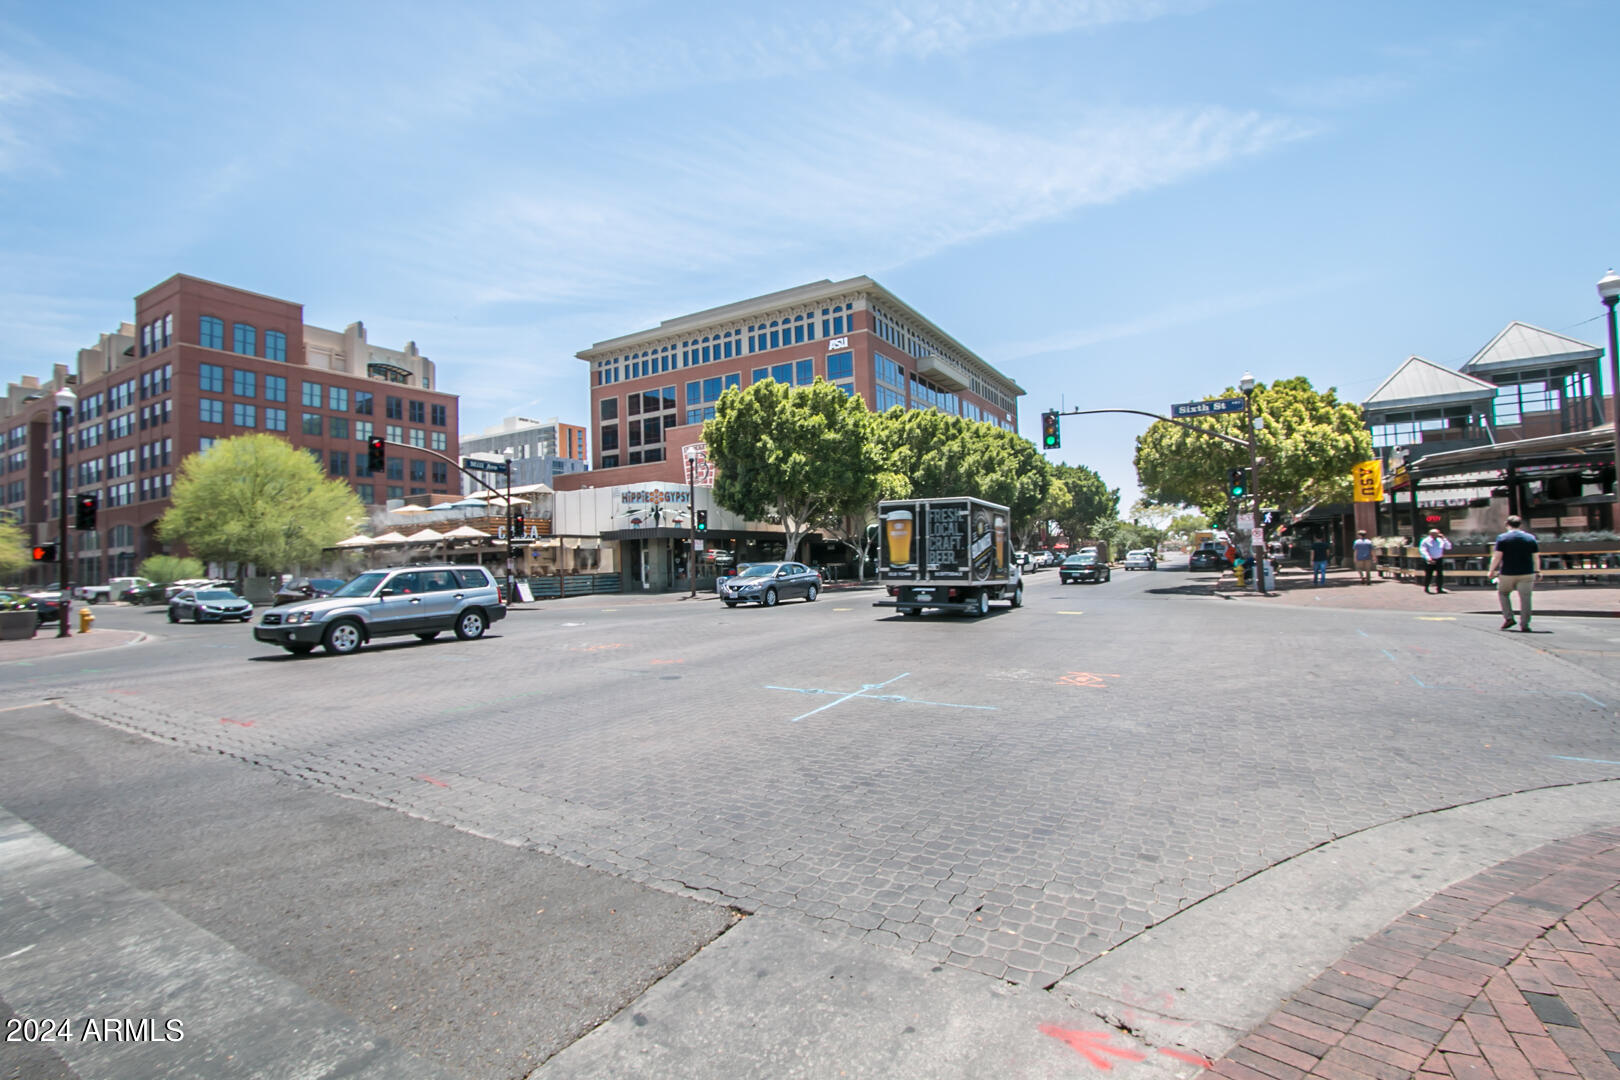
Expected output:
(1368, 478)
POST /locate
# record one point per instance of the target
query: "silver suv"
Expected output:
(420, 600)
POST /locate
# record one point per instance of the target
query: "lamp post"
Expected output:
(1257, 544)
(66, 399)
(1609, 291)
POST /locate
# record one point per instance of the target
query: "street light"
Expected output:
(1257, 544)
(66, 399)
(1609, 291)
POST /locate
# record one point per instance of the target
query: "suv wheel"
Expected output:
(172, 616)
(470, 625)
(343, 638)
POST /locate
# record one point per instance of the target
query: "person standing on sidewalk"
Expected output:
(1319, 560)
(1516, 565)
(1363, 551)
(1434, 548)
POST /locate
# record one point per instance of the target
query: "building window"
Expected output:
(418, 437)
(146, 339)
(337, 398)
(275, 388)
(275, 419)
(441, 473)
(275, 345)
(210, 332)
(362, 430)
(243, 415)
(244, 339)
(437, 440)
(610, 461)
(312, 423)
(244, 383)
(394, 433)
(782, 373)
(312, 395)
(338, 463)
(338, 427)
(396, 468)
(418, 470)
(610, 408)
(211, 410)
(610, 438)
(211, 378)
(395, 408)
(840, 366)
(438, 414)
(367, 493)
(362, 402)
(396, 491)
(418, 413)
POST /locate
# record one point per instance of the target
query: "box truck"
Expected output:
(952, 554)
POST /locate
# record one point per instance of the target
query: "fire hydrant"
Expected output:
(85, 619)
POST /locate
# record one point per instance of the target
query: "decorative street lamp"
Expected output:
(66, 399)
(1609, 290)
(1257, 542)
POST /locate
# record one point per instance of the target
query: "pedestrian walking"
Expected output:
(1363, 551)
(1320, 548)
(1516, 566)
(1434, 548)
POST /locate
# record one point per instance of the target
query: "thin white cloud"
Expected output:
(39, 91)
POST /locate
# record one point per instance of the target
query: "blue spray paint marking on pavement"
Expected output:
(1588, 760)
(1389, 654)
(844, 696)
(1362, 632)
(1530, 693)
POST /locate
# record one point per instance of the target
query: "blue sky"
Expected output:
(1119, 203)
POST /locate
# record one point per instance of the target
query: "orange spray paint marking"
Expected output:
(435, 783)
(669, 661)
(238, 723)
(1092, 1045)
(1085, 678)
(1191, 1059)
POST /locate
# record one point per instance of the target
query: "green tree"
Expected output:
(1090, 502)
(1307, 443)
(165, 569)
(258, 499)
(14, 546)
(943, 455)
(799, 456)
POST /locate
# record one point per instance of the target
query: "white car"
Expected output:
(1141, 559)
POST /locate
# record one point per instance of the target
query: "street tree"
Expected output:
(1090, 501)
(14, 553)
(942, 455)
(1307, 442)
(258, 499)
(797, 456)
(165, 569)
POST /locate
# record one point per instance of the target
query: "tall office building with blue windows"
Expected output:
(652, 390)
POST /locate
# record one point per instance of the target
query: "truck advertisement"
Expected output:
(951, 553)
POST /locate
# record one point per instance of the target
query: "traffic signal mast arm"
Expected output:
(452, 462)
(1156, 416)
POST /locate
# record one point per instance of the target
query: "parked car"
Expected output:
(306, 589)
(208, 605)
(767, 582)
(153, 592)
(1083, 567)
(420, 600)
(1206, 559)
(1140, 559)
(1051, 558)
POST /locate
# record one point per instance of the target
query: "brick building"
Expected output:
(201, 362)
(652, 390)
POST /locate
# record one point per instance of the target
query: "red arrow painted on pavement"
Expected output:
(1092, 1045)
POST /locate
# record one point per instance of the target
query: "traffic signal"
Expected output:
(1051, 435)
(517, 522)
(1237, 482)
(44, 552)
(377, 455)
(702, 521)
(85, 519)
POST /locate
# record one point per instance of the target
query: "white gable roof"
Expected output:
(1521, 345)
(1423, 381)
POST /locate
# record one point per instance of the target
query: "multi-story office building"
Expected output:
(540, 450)
(202, 362)
(652, 390)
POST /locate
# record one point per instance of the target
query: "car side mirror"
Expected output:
(390, 591)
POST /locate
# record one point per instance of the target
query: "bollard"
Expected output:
(1269, 578)
(85, 619)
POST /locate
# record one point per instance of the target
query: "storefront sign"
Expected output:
(1368, 480)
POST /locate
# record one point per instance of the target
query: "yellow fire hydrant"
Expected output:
(85, 619)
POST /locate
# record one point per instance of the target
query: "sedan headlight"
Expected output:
(295, 618)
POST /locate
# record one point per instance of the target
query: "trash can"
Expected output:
(1268, 578)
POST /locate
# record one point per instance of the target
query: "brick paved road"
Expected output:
(1013, 795)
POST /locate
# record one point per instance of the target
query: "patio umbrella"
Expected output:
(465, 532)
(467, 503)
(410, 508)
(425, 534)
(355, 542)
(390, 538)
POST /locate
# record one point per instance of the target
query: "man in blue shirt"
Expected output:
(1516, 565)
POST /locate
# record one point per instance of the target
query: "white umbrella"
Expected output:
(425, 534)
(465, 531)
(390, 538)
(355, 541)
(410, 508)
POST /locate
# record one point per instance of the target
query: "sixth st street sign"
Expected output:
(480, 465)
(1207, 408)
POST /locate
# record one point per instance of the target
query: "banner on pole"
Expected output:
(1368, 480)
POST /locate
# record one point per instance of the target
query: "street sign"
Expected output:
(1245, 523)
(481, 465)
(1208, 408)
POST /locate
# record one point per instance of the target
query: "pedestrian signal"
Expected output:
(1051, 434)
(377, 455)
(44, 552)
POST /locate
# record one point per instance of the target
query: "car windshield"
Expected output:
(763, 569)
(1080, 560)
(216, 594)
(364, 585)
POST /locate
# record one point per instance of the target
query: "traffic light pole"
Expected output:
(62, 553)
(1257, 541)
(691, 514)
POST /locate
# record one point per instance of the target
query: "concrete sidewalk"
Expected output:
(45, 643)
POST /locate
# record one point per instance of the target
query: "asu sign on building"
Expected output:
(1368, 480)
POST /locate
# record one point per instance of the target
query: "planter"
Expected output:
(18, 625)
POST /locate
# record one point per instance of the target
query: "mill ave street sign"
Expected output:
(480, 465)
(1207, 408)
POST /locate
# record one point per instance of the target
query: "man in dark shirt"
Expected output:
(1516, 565)
(1320, 548)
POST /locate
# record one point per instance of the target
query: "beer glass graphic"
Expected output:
(897, 526)
(1000, 529)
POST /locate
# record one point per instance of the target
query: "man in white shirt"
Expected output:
(1434, 548)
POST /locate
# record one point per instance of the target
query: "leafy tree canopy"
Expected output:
(943, 455)
(169, 568)
(1090, 502)
(796, 455)
(258, 499)
(1307, 444)
(14, 547)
